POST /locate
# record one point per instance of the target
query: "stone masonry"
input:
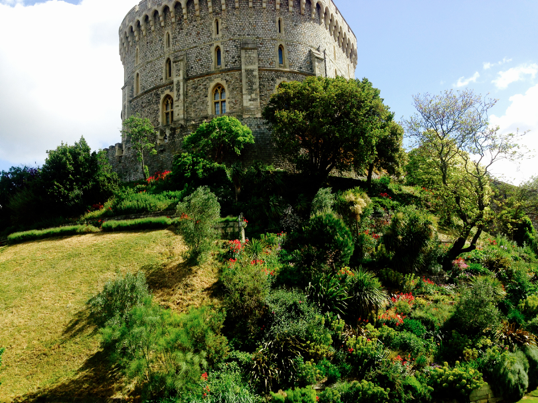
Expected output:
(170, 52)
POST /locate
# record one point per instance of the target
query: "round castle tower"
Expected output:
(187, 61)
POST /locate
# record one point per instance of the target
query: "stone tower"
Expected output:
(187, 61)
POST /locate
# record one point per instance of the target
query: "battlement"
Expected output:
(151, 14)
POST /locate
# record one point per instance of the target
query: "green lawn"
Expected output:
(52, 349)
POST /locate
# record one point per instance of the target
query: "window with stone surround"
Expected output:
(167, 42)
(217, 27)
(219, 100)
(218, 57)
(280, 26)
(136, 56)
(281, 55)
(168, 110)
(137, 84)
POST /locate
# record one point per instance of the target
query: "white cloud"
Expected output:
(519, 73)
(462, 82)
(488, 65)
(522, 114)
(60, 76)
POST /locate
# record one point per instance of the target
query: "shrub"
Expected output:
(409, 237)
(531, 353)
(352, 205)
(529, 306)
(131, 201)
(476, 309)
(223, 385)
(367, 295)
(362, 391)
(414, 326)
(457, 382)
(330, 292)
(33, 235)
(297, 395)
(200, 213)
(118, 297)
(306, 373)
(433, 316)
(364, 354)
(323, 202)
(137, 224)
(510, 377)
(165, 353)
(323, 244)
(407, 342)
(328, 370)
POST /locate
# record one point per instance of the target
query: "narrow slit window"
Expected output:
(281, 55)
(218, 56)
(217, 27)
(219, 100)
(137, 84)
(168, 68)
(167, 41)
(279, 26)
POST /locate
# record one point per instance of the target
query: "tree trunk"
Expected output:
(370, 173)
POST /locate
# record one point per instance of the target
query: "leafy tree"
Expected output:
(457, 147)
(74, 177)
(221, 141)
(13, 182)
(322, 124)
(139, 131)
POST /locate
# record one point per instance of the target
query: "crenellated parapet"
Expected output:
(148, 14)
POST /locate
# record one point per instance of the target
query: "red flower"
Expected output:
(204, 376)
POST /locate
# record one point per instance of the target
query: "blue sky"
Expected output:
(404, 48)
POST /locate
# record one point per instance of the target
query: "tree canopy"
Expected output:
(139, 131)
(322, 124)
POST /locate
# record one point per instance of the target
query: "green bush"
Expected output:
(297, 395)
(407, 342)
(118, 297)
(414, 326)
(330, 292)
(352, 205)
(531, 352)
(364, 354)
(224, 385)
(433, 316)
(200, 213)
(323, 202)
(165, 353)
(362, 391)
(137, 224)
(323, 244)
(476, 310)
(410, 238)
(328, 370)
(33, 235)
(529, 306)
(131, 201)
(367, 295)
(457, 382)
(510, 377)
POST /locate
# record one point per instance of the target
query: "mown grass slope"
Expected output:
(52, 348)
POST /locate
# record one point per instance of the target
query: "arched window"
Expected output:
(168, 68)
(217, 27)
(137, 84)
(218, 56)
(280, 25)
(281, 55)
(136, 56)
(219, 100)
(168, 110)
(167, 41)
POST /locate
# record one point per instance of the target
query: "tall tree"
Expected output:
(457, 148)
(322, 124)
(139, 131)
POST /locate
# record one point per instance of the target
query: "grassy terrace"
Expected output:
(52, 349)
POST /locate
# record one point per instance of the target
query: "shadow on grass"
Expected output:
(94, 382)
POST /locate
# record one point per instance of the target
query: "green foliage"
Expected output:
(19, 183)
(165, 353)
(529, 306)
(129, 201)
(306, 372)
(364, 354)
(118, 297)
(433, 316)
(224, 385)
(410, 237)
(200, 213)
(531, 353)
(330, 292)
(195, 171)
(297, 395)
(355, 391)
(457, 382)
(321, 124)
(352, 205)
(328, 370)
(220, 140)
(137, 224)
(367, 295)
(407, 343)
(415, 327)
(33, 235)
(323, 244)
(476, 309)
(510, 377)
(139, 131)
(323, 202)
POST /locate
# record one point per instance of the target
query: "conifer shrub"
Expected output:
(410, 238)
(457, 382)
(118, 297)
(33, 235)
(350, 392)
(510, 376)
(297, 395)
(200, 212)
(323, 244)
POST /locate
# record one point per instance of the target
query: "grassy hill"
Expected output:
(52, 349)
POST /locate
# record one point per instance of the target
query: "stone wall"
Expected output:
(315, 38)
